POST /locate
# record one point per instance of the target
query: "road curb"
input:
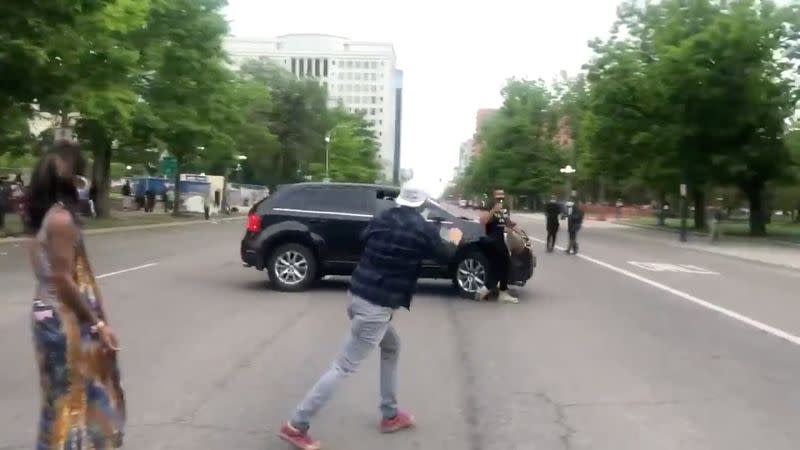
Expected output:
(135, 228)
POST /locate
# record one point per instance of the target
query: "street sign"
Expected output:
(168, 166)
(667, 267)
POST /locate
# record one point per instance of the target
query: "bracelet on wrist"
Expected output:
(98, 326)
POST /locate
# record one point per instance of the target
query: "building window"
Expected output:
(325, 67)
(380, 121)
(373, 88)
(374, 65)
(380, 99)
(349, 75)
(374, 76)
(333, 62)
(349, 64)
(310, 67)
(294, 66)
(380, 110)
(372, 113)
(373, 99)
(316, 68)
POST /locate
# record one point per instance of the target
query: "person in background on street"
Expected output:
(93, 199)
(496, 220)
(396, 242)
(150, 200)
(619, 206)
(165, 199)
(716, 219)
(18, 180)
(126, 195)
(82, 405)
(574, 224)
(5, 201)
(552, 211)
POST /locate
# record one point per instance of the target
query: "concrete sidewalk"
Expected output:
(763, 251)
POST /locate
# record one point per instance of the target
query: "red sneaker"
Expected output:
(401, 421)
(299, 439)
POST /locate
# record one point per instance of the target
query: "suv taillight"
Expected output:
(253, 223)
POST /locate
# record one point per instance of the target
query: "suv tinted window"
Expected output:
(347, 199)
(431, 210)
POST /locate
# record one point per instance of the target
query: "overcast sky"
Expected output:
(455, 58)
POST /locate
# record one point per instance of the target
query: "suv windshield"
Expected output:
(431, 210)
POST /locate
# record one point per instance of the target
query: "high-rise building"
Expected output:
(481, 118)
(465, 155)
(360, 76)
(398, 123)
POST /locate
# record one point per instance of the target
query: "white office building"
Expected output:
(465, 155)
(360, 76)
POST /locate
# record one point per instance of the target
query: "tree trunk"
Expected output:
(101, 173)
(699, 209)
(755, 196)
(176, 206)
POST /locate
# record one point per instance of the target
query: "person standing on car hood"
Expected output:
(397, 240)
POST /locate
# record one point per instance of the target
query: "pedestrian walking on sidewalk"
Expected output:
(574, 224)
(82, 405)
(552, 211)
(396, 242)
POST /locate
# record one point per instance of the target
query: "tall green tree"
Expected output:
(298, 118)
(352, 152)
(187, 85)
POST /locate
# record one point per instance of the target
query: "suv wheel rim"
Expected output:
(291, 268)
(471, 275)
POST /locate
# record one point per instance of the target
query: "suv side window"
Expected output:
(431, 210)
(330, 199)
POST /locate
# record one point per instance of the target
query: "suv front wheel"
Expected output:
(470, 274)
(292, 268)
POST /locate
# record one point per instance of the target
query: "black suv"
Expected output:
(308, 230)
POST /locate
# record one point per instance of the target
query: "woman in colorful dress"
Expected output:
(83, 406)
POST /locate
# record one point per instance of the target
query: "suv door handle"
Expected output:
(316, 220)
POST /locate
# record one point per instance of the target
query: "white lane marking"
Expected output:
(130, 269)
(667, 267)
(708, 305)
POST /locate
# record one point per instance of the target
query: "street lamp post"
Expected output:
(328, 156)
(568, 170)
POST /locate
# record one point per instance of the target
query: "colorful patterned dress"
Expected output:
(83, 406)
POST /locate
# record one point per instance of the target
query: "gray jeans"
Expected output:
(370, 326)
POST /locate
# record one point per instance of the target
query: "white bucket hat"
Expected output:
(412, 195)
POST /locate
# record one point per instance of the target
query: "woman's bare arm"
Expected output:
(62, 233)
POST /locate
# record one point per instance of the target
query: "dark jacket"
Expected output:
(551, 211)
(397, 241)
(575, 219)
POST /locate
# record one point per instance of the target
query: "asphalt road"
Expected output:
(600, 353)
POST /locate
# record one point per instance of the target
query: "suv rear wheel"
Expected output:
(470, 274)
(292, 268)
